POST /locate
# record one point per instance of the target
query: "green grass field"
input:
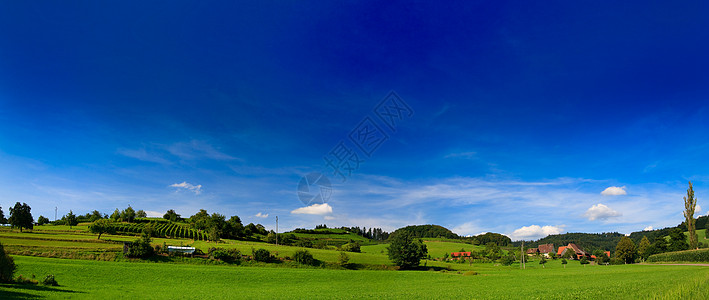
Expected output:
(96, 279)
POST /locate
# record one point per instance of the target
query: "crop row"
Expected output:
(701, 255)
(168, 230)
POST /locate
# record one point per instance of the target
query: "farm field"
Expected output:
(97, 279)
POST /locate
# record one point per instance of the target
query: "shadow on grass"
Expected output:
(19, 291)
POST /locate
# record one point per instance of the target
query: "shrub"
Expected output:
(350, 247)
(141, 248)
(49, 280)
(262, 255)
(7, 266)
(506, 260)
(227, 255)
(344, 259)
(22, 280)
(470, 273)
(563, 261)
(584, 261)
(701, 255)
(304, 257)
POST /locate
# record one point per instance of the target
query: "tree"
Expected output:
(116, 215)
(304, 257)
(200, 220)
(7, 266)
(95, 215)
(552, 255)
(128, 214)
(543, 261)
(584, 260)
(406, 252)
(690, 203)
(569, 253)
(71, 219)
(141, 214)
(344, 259)
(2, 217)
(564, 262)
(20, 216)
(102, 226)
(171, 215)
(625, 250)
(644, 248)
(42, 220)
(233, 228)
(601, 257)
(678, 241)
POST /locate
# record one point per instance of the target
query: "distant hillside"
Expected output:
(587, 241)
(608, 241)
(428, 231)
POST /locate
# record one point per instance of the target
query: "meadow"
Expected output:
(85, 279)
(102, 272)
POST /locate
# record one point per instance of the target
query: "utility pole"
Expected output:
(521, 256)
(276, 230)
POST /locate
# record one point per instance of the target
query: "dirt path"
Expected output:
(701, 265)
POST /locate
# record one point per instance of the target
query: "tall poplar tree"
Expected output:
(690, 203)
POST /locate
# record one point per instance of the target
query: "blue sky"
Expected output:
(526, 119)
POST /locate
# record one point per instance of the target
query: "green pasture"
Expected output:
(86, 279)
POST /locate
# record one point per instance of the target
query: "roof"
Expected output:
(461, 254)
(577, 249)
(532, 250)
(561, 250)
(546, 248)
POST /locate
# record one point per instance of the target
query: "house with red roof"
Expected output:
(543, 249)
(461, 254)
(577, 250)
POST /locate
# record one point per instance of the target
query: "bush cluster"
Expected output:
(262, 255)
(227, 255)
(304, 257)
(701, 255)
(351, 247)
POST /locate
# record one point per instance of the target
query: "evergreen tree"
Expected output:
(116, 216)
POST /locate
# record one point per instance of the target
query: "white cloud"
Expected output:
(329, 218)
(614, 191)
(154, 214)
(649, 228)
(534, 232)
(260, 215)
(315, 209)
(600, 212)
(466, 229)
(698, 210)
(197, 189)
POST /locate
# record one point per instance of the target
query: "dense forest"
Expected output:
(427, 231)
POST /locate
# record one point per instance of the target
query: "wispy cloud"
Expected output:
(600, 212)
(144, 155)
(614, 191)
(315, 209)
(196, 149)
(261, 215)
(649, 228)
(197, 189)
(462, 155)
